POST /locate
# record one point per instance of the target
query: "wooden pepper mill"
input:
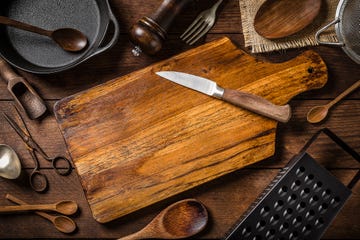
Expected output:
(149, 33)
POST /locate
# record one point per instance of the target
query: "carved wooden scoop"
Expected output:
(180, 220)
(26, 98)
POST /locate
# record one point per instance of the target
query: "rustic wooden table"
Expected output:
(227, 197)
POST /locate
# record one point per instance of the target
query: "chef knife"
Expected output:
(241, 99)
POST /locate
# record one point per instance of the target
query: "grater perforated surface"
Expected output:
(300, 203)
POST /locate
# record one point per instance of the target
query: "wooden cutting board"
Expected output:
(139, 138)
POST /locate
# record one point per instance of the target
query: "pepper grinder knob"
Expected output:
(149, 33)
(147, 36)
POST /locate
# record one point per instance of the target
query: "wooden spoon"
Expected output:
(281, 18)
(63, 207)
(319, 113)
(68, 39)
(62, 223)
(180, 220)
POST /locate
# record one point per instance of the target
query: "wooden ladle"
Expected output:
(68, 39)
(63, 207)
(282, 18)
(62, 223)
(319, 113)
(180, 220)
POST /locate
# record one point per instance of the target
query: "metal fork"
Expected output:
(201, 25)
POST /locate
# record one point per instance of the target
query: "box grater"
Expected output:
(299, 203)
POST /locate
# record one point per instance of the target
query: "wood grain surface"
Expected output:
(139, 139)
(226, 197)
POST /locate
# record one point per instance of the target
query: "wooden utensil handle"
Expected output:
(20, 202)
(24, 26)
(258, 105)
(345, 93)
(6, 72)
(142, 234)
(150, 32)
(24, 208)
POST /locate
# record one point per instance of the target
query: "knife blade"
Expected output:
(248, 101)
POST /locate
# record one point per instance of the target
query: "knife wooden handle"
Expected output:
(258, 105)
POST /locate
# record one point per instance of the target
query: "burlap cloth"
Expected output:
(305, 37)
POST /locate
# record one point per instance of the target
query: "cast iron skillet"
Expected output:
(38, 54)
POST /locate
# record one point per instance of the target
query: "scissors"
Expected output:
(38, 180)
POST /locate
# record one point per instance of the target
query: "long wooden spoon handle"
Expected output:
(24, 26)
(258, 105)
(144, 233)
(344, 94)
(133, 236)
(24, 208)
(20, 202)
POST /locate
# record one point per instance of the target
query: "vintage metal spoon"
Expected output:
(63, 207)
(180, 220)
(319, 113)
(62, 223)
(10, 166)
(68, 39)
(281, 18)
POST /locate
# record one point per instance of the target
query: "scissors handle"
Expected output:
(59, 168)
(38, 181)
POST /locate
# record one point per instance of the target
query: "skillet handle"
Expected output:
(318, 33)
(115, 37)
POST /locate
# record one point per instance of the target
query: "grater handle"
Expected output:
(341, 144)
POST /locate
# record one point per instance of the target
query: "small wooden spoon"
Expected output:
(63, 207)
(68, 39)
(281, 18)
(319, 113)
(62, 223)
(180, 220)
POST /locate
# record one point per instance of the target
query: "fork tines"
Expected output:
(196, 30)
(201, 25)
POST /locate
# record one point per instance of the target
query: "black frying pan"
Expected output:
(38, 54)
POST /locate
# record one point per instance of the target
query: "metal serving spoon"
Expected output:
(281, 18)
(68, 39)
(63, 207)
(180, 220)
(319, 113)
(10, 166)
(62, 223)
